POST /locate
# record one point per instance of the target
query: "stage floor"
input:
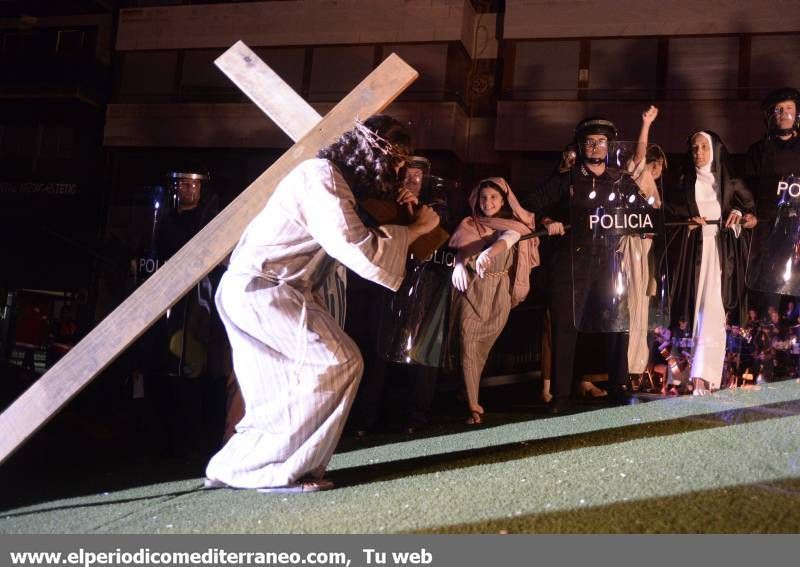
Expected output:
(729, 462)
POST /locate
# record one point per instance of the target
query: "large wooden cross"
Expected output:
(211, 245)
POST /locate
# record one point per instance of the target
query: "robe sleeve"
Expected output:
(328, 208)
(752, 162)
(743, 197)
(676, 203)
(546, 195)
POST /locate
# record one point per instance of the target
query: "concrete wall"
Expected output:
(705, 76)
(548, 125)
(437, 126)
(292, 22)
(529, 19)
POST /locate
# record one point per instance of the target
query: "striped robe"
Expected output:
(638, 272)
(483, 311)
(298, 371)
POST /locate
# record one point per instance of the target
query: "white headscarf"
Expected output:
(704, 173)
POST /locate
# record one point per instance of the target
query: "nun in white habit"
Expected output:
(709, 276)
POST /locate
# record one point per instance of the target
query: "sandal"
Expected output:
(302, 485)
(546, 395)
(475, 418)
(589, 390)
(213, 484)
(475, 415)
(699, 388)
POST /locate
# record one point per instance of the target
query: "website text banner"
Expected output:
(397, 551)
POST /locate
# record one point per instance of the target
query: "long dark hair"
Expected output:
(505, 211)
(365, 160)
(655, 153)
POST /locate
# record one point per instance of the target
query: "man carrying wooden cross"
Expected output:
(298, 371)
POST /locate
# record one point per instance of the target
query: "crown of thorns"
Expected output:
(380, 143)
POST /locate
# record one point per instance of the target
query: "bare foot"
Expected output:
(302, 485)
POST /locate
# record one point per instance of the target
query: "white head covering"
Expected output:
(704, 173)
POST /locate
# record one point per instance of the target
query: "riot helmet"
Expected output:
(416, 168)
(186, 188)
(589, 134)
(780, 120)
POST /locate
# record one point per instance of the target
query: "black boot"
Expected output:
(557, 406)
(619, 396)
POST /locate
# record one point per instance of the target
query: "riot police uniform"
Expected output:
(772, 158)
(769, 161)
(579, 187)
(188, 356)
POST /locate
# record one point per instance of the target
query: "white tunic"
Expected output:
(637, 269)
(298, 371)
(635, 251)
(709, 312)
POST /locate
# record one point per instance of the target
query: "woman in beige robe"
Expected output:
(646, 168)
(491, 274)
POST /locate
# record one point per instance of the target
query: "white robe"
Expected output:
(709, 313)
(635, 251)
(642, 283)
(298, 371)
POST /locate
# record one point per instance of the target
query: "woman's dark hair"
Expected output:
(655, 153)
(368, 166)
(505, 211)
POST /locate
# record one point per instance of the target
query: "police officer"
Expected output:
(188, 356)
(588, 179)
(777, 154)
(769, 160)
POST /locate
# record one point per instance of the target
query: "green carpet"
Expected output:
(723, 463)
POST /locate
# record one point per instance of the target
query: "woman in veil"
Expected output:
(709, 277)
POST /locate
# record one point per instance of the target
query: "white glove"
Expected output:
(483, 262)
(460, 277)
(510, 237)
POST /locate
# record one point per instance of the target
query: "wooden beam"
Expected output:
(271, 94)
(265, 88)
(190, 264)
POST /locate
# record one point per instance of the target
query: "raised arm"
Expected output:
(648, 117)
(549, 193)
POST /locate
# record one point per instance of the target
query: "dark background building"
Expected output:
(100, 98)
